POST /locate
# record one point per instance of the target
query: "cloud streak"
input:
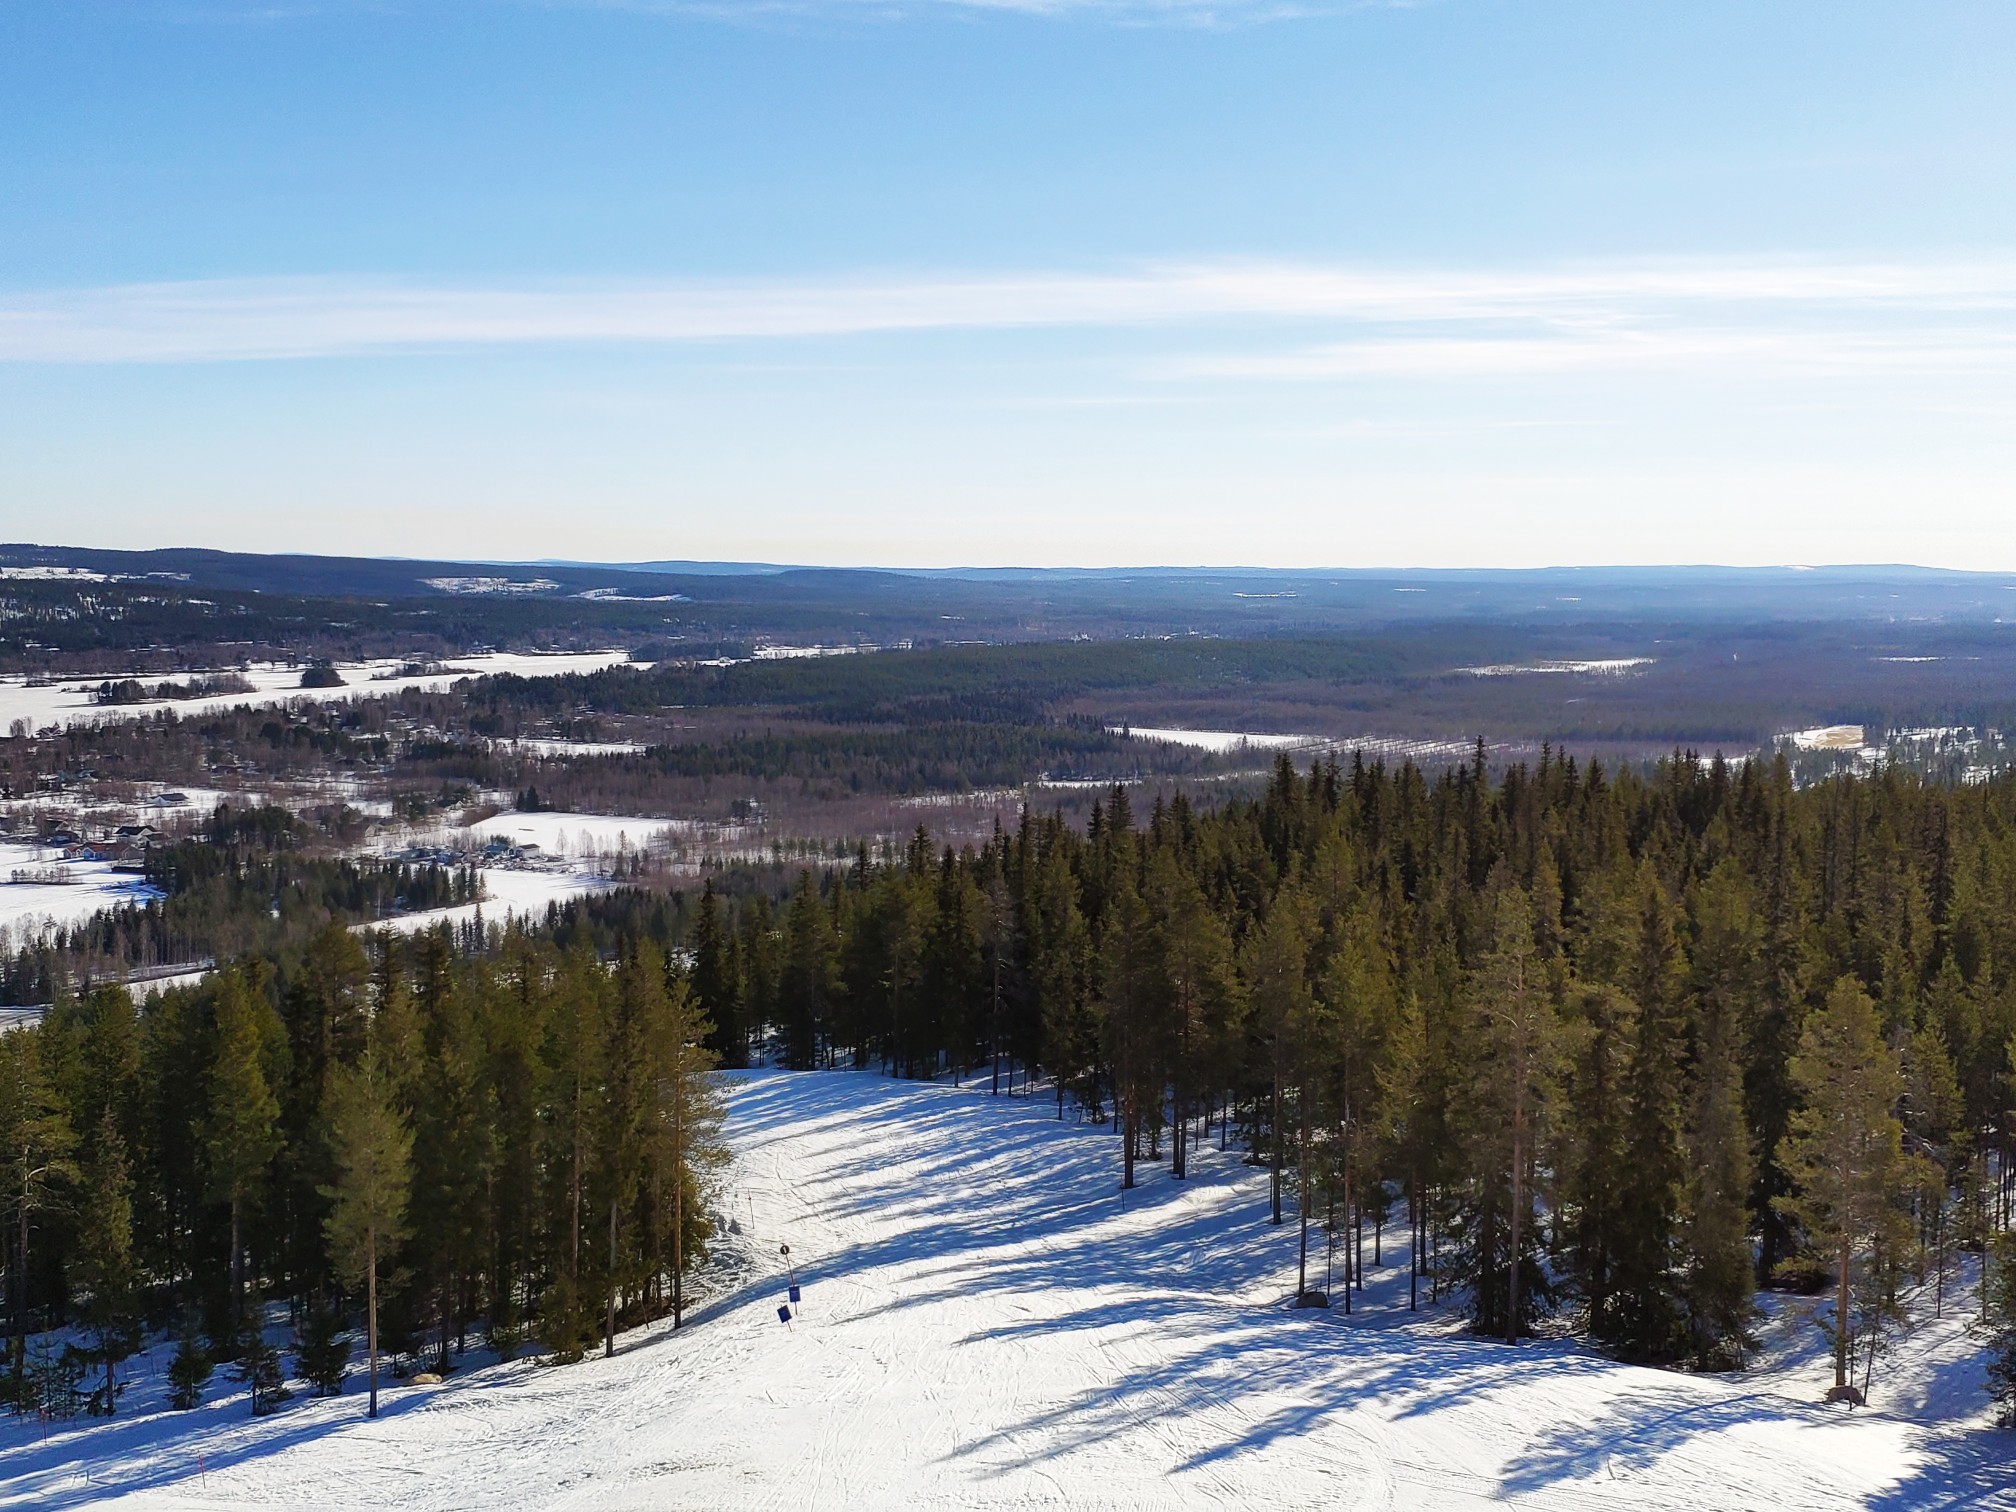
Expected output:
(1133, 13)
(1342, 321)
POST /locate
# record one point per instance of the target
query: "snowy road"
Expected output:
(985, 1325)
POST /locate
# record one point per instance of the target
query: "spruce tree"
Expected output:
(689, 1115)
(623, 1155)
(1720, 1278)
(571, 1118)
(322, 1350)
(453, 1151)
(103, 1262)
(1274, 967)
(1845, 1147)
(372, 1152)
(714, 979)
(1603, 1025)
(1647, 1308)
(1998, 1323)
(241, 1133)
(1516, 1044)
(189, 1371)
(1197, 967)
(810, 975)
(1719, 1281)
(37, 1143)
(1132, 1000)
(1060, 949)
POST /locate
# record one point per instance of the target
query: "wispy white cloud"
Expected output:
(1180, 13)
(1773, 353)
(1340, 321)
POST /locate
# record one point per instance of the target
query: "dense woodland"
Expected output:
(1606, 1051)
(518, 1143)
(1633, 1046)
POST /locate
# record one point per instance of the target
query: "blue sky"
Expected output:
(1462, 282)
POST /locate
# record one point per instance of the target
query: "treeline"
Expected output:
(130, 690)
(1632, 1046)
(92, 629)
(515, 1146)
(1019, 683)
(928, 758)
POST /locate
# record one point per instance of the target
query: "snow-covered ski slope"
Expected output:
(986, 1325)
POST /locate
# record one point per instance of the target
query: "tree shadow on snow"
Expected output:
(1956, 1471)
(1196, 1265)
(84, 1464)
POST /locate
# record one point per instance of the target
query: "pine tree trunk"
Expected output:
(237, 1260)
(21, 1277)
(574, 1199)
(679, 1202)
(1414, 1227)
(1518, 1201)
(1354, 1214)
(1302, 1215)
(1274, 1176)
(609, 1316)
(1843, 1260)
(1131, 1131)
(371, 1311)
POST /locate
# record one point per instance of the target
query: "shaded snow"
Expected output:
(987, 1324)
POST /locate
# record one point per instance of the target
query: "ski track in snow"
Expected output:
(987, 1324)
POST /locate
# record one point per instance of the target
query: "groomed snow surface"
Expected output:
(987, 1324)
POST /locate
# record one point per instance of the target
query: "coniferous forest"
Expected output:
(1601, 1052)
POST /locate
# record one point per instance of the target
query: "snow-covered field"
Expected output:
(1221, 740)
(509, 893)
(1828, 738)
(1609, 667)
(987, 1324)
(31, 909)
(538, 745)
(68, 702)
(569, 834)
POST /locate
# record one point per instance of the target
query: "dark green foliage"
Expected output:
(322, 1350)
(1998, 1322)
(189, 1371)
(258, 1368)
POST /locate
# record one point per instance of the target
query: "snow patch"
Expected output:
(1218, 740)
(1844, 737)
(1610, 667)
